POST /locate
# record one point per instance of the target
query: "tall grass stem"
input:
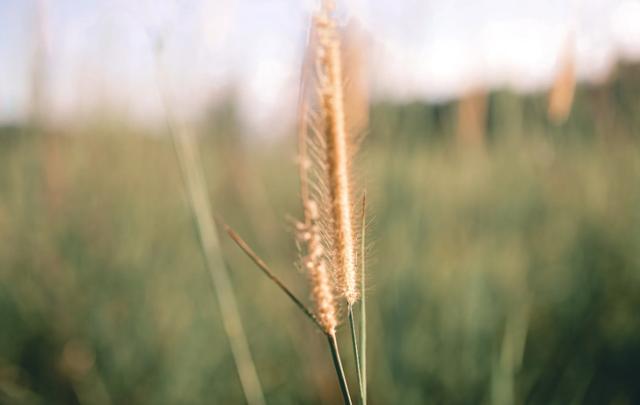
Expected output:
(193, 179)
(337, 363)
(354, 341)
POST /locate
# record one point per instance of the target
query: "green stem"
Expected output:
(342, 379)
(354, 340)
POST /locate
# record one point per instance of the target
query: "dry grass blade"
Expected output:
(265, 269)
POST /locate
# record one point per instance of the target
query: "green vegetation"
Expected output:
(503, 274)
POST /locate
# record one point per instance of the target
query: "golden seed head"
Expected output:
(338, 156)
(327, 234)
(314, 264)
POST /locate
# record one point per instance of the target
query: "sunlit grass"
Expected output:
(536, 236)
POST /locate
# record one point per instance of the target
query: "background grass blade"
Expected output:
(194, 182)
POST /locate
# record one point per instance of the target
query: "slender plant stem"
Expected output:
(342, 379)
(354, 341)
(263, 266)
(224, 290)
(333, 343)
(193, 178)
(363, 306)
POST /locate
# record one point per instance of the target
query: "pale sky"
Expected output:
(103, 50)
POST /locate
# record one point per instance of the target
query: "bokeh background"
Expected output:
(503, 264)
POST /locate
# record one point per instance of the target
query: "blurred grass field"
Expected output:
(501, 274)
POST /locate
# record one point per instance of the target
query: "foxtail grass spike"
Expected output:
(309, 232)
(330, 151)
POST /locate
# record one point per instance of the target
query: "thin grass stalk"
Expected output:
(331, 337)
(342, 379)
(218, 272)
(363, 307)
(193, 179)
(360, 354)
(356, 355)
(266, 270)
